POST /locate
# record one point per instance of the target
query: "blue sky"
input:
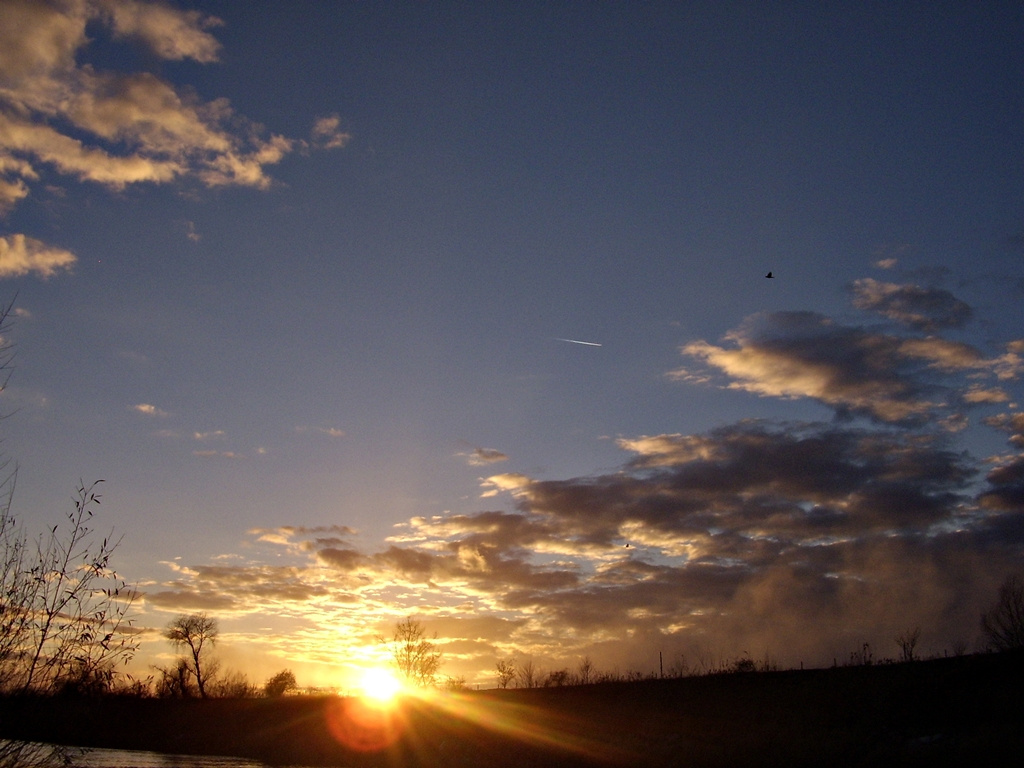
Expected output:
(291, 280)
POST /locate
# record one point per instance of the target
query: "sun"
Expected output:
(379, 684)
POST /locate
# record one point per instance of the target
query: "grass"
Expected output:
(957, 711)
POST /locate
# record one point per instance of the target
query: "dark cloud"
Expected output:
(483, 456)
(341, 559)
(189, 600)
(925, 309)
(855, 370)
(1007, 486)
(1009, 422)
(244, 589)
(801, 541)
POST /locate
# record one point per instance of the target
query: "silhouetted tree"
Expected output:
(585, 671)
(1003, 623)
(506, 672)
(907, 641)
(196, 633)
(414, 655)
(280, 684)
(528, 674)
(556, 678)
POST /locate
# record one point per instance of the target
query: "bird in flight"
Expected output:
(770, 275)
(576, 341)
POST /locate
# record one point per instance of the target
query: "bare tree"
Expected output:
(506, 672)
(416, 657)
(1003, 623)
(529, 676)
(907, 641)
(454, 683)
(585, 671)
(195, 633)
(63, 609)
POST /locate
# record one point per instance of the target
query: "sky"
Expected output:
(301, 283)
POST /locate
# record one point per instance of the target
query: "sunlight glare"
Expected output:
(379, 684)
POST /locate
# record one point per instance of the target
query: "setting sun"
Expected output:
(379, 684)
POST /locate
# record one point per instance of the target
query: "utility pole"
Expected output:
(661, 666)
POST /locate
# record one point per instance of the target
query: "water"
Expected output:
(123, 758)
(126, 758)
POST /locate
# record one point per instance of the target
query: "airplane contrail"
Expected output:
(576, 341)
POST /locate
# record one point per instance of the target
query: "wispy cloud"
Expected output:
(215, 434)
(328, 431)
(327, 133)
(149, 410)
(222, 454)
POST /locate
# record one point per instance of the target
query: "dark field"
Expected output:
(960, 711)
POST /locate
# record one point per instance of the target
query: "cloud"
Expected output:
(21, 255)
(804, 354)
(925, 309)
(169, 33)
(740, 539)
(854, 369)
(483, 456)
(149, 410)
(327, 133)
(799, 540)
(296, 536)
(216, 434)
(121, 128)
(13, 190)
(329, 431)
(1013, 423)
(1007, 487)
(506, 481)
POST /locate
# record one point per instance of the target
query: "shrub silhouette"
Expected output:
(280, 684)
